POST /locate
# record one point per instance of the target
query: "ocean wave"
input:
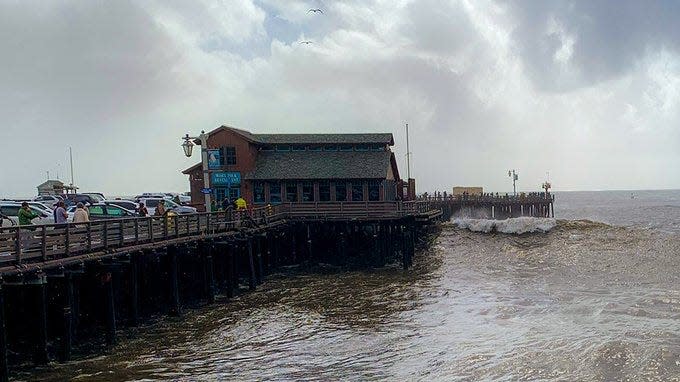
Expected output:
(510, 226)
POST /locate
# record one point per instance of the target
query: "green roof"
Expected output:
(321, 165)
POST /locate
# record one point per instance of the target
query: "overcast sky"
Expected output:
(588, 90)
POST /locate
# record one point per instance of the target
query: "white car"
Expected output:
(11, 210)
(49, 200)
(152, 203)
(42, 206)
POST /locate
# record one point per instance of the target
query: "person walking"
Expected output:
(160, 209)
(80, 215)
(141, 210)
(226, 203)
(26, 214)
(60, 214)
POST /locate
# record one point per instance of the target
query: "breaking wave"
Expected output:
(511, 226)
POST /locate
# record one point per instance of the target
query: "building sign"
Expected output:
(213, 159)
(225, 178)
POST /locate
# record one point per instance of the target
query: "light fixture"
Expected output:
(187, 146)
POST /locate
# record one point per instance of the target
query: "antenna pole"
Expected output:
(408, 156)
(70, 155)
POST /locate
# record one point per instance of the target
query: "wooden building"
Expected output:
(283, 168)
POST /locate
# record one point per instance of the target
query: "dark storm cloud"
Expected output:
(609, 37)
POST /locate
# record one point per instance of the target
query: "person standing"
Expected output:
(80, 215)
(143, 212)
(26, 214)
(160, 209)
(226, 203)
(60, 214)
(241, 203)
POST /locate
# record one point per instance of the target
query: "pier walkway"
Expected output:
(79, 282)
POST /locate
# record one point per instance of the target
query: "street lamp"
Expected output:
(188, 147)
(513, 175)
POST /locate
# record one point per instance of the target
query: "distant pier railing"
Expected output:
(493, 206)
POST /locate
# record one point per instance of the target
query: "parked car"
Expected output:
(11, 210)
(49, 200)
(41, 206)
(152, 203)
(97, 196)
(79, 198)
(101, 211)
(126, 204)
(155, 195)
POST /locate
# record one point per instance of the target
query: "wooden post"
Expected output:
(67, 334)
(309, 244)
(4, 370)
(231, 251)
(110, 309)
(175, 307)
(260, 266)
(251, 260)
(134, 290)
(40, 356)
(209, 272)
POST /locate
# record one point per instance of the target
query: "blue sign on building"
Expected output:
(213, 159)
(225, 178)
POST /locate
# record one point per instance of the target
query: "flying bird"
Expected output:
(315, 10)
(306, 42)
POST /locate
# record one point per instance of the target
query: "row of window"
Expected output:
(361, 147)
(326, 191)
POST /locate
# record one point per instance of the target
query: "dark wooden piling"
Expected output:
(39, 297)
(209, 273)
(175, 305)
(251, 263)
(67, 317)
(133, 319)
(110, 302)
(4, 368)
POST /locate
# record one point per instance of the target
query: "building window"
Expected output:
(299, 147)
(377, 148)
(291, 192)
(307, 191)
(340, 191)
(275, 192)
(314, 148)
(228, 156)
(361, 147)
(324, 191)
(346, 148)
(330, 148)
(357, 191)
(267, 148)
(373, 191)
(258, 192)
(282, 147)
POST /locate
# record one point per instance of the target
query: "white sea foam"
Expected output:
(514, 225)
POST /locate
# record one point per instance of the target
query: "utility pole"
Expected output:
(513, 175)
(70, 155)
(408, 156)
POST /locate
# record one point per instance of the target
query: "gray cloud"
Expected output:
(588, 91)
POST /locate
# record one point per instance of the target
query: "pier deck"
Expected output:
(492, 206)
(58, 280)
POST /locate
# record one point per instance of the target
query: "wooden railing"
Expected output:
(536, 197)
(34, 243)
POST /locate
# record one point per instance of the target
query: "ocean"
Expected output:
(595, 298)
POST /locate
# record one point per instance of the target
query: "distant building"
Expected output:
(283, 168)
(468, 190)
(55, 187)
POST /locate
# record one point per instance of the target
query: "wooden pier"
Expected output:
(490, 206)
(79, 283)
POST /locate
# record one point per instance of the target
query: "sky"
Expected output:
(588, 91)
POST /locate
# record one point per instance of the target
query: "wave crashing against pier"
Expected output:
(510, 226)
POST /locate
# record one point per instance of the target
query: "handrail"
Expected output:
(52, 241)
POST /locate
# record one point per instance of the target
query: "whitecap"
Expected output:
(511, 226)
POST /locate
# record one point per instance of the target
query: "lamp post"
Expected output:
(513, 175)
(188, 147)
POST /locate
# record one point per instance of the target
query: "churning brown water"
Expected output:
(586, 301)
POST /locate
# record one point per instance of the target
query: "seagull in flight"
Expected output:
(315, 10)
(307, 42)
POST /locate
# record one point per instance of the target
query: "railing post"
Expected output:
(67, 239)
(149, 223)
(121, 231)
(89, 236)
(17, 244)
(136, 230)
(105, 234)
(175, 219)
(43, 242)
